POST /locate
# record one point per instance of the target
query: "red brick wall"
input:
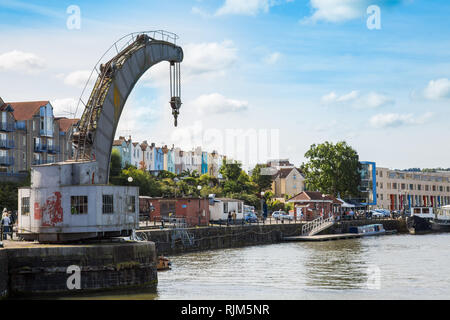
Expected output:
(191, 209)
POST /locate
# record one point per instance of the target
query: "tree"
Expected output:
(262, 179)
(230, 170)
(116, 163)
(333, 169)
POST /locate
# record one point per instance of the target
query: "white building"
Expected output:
(219, 208)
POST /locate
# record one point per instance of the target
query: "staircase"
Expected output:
(317, 225)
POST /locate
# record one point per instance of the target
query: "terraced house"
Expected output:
(31, 135)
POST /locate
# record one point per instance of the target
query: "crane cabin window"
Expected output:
(130, 204)
(78, 204)
(25, 207)
(108, 204)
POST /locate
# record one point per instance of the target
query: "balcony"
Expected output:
(21, 125)
(40, 147)
(37, 162)
(6, 161)
(7, 126)
(53, 149)
(6, 144)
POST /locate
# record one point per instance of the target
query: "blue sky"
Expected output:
(310, 69)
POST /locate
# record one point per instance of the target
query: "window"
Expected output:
(131, 204)
(25, 208)
(239, 207)
(411, 187)
(78, 204)
(108, 204)
(394, 186)
(225, 207)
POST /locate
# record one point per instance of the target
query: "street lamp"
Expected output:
(262, 205)
(323, 203)
(199, 187)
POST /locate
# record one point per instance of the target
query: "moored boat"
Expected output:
(419, 221)
(441, 221)
(368, 230)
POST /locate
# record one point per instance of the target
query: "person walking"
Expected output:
(5, 224)
(233, 215)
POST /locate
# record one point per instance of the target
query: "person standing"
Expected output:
(229, 218)
(5, 224)
(233, 215)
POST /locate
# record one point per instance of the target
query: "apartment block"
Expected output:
(31, 135)
(397, 189)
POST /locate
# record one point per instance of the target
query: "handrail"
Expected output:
(315, 224)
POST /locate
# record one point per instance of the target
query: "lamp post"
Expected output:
(323, 203)
(262, 204)
(199, 187)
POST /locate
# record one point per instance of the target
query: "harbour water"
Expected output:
(384, 267)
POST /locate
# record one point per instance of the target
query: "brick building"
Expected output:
(195, 211)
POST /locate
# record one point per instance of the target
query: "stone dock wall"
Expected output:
(41, 270)
(4, 278)
(178, 241)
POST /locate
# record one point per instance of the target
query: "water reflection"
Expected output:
(335, 264)
(410, 267)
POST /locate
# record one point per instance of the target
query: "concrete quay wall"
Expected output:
(4, 278)
(40, 270)
(178, 241)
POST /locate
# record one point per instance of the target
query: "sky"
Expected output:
(261, 79)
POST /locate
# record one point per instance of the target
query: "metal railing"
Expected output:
(40, 147)
(7, 126)
(315, 225)
(6, 144)
(6, 161)
(53, 149)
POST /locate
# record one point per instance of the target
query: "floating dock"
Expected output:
(324, 237)
(338, 236)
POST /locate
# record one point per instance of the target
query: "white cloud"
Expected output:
(206, 60)
(336, 10)
(388, 120)
(216, 103)
(247, 7)
(272, 58)
(21, 61)
(78, 78)
(65, 107)
(438, 89)
(355, 99)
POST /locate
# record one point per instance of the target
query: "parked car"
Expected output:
(286, 216)
(282, 215)
(276, 214)
(250, 217)
(380, 213)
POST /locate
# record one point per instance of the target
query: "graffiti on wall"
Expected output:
(51, 212)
